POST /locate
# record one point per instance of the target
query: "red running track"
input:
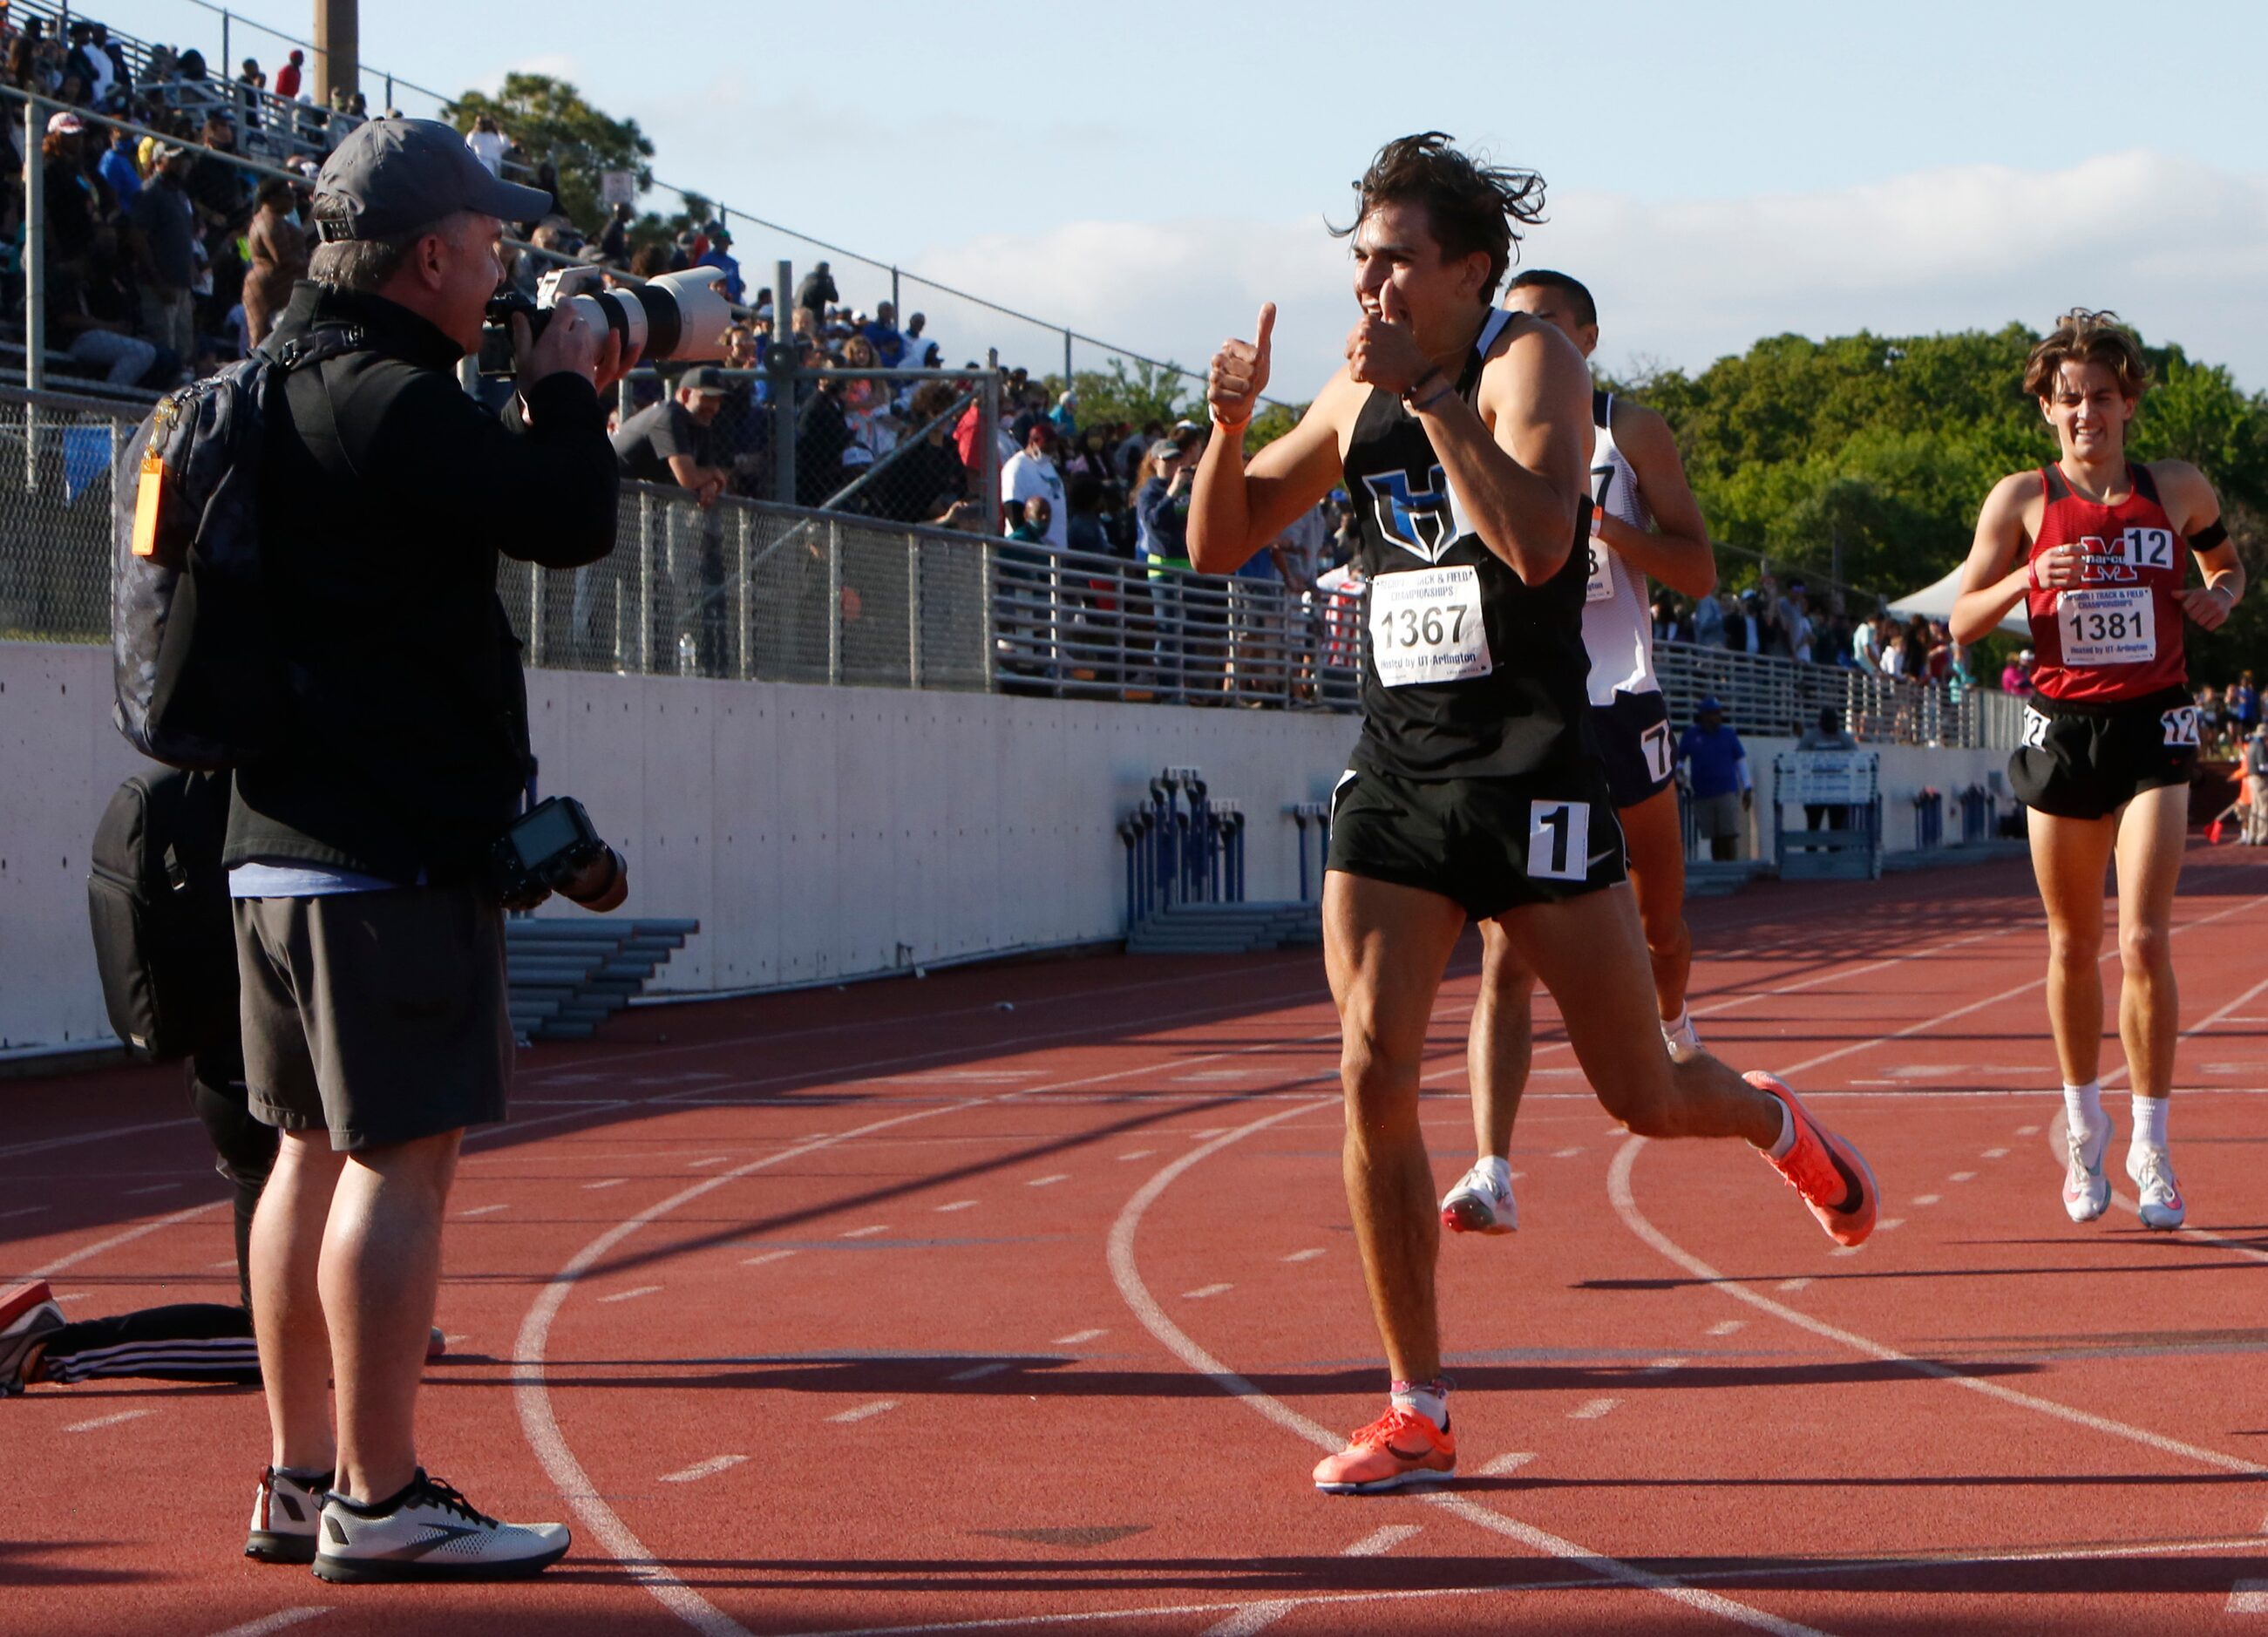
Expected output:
(891, 1309)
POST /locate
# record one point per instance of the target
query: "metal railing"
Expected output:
(753, 590)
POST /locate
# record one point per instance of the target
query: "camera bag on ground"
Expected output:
(199, 683)
(157, 898)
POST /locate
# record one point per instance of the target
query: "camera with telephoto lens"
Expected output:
(544, 849)
(678, 318)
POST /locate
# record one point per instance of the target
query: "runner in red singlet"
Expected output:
(2097, 547)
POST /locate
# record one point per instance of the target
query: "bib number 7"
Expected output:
(1654, 744)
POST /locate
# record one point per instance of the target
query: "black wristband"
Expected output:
(1420, 407)
(1433, 372)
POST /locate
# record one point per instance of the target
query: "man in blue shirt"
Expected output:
(1720, 773)
(720, 256)
(117, 169)
(882, 331)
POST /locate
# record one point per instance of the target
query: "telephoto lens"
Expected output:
(679, 318)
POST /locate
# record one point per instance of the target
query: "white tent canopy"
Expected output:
(1934, 601)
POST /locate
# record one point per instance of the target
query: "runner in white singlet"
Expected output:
(1645, 523)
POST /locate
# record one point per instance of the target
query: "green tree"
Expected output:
(550, 119)
(1134, 393)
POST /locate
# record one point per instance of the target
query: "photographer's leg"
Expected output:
(381, 1270)
(294, 1351)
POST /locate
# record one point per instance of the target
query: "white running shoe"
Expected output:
(1682, 1039)
(1481, 1203)
(2086, 1190)
(429, 1532)
(2153, 1174)
(286, 1509)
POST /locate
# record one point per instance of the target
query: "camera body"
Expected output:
(543, 849)
(679, 318)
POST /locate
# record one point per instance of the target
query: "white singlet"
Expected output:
(1617, 624)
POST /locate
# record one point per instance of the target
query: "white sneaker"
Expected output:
(2153, 1174)
(1682, 1039)
(429, 1532)
(2086, 1190)
(286, 1509)
(1481, 1203)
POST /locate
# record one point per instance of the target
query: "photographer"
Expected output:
(370, 939)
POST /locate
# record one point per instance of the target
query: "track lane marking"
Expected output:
(1128, 1277)
(700, 1470)
(1592, 1409)
(1626, 1204)
(769, 1256)
(102, 1421)
(275, 1622)
(866, 1412)
(1077, 1337)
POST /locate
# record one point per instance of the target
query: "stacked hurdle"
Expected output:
(1185, 881)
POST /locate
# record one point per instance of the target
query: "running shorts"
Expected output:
(2085, 760)
(1487, 844)
(1633, 735)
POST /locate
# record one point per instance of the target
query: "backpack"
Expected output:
(200, 681)
(157, 900)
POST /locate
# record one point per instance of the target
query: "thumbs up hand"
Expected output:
(1239, 375)
(1382, 351)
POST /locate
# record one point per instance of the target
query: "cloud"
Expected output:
(2180, 248)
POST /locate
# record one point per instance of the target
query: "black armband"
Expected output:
(2211, 535)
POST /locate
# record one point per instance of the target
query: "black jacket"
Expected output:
(408, 741)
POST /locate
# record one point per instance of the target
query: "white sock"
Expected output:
(2082, 1109)
(1673, 1027)
(1787, 1138)
(1430, 1399)
(2149, 1123)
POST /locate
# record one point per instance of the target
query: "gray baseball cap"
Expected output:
(392, 175)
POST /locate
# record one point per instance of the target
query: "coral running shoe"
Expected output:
(2153, 1173)
(2086, 1190)
(1831, 1174)
(1401, 1446)
(1481, 1203)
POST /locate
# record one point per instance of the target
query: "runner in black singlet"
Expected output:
(1463, 435)
(2098, 549)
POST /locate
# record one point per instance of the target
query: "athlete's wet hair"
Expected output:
(1471, 206)
(2083, 337)
(1586, 311)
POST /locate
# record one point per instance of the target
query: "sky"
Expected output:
(1148, 175)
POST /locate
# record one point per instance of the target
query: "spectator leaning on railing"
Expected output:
(670, 442)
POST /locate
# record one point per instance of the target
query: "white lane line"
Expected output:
(75, 1295)
(1567, 1154)
(611, 1181)
(1962, 1176)
(1663, 1367)
(958, 1205)
(1794, 1284)
(1252, 1618)
(699, 1469)
(1996, 1153)
(2247, 1597)
(2027, 1131)
(979, 1372)
(224, 1262)
(1626, 1204)
(1138, 1153)
(109, 1420)
(1890, 1222)
(154, 1188)
(1203, 1291)
(769, 1256)
(702, 1165)
(483, 1210)
(1127, 1275)
(879, 1407)
(869, 1231)
(631, 1295)
(127, 1237)
(1378, 1543)
(1303, 1256)
(1048, 1182)
(1593, 1410)
(15, 1150)
(1927, 1198)
(275, 1622)
(21, 1210)
(1505, 1465)
(1076, 1337)
(1725, 1327)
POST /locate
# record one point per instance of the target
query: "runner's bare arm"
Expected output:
(1677, 552)
(1519, 460)
(1239, 506)
(2193, 508)
(1990, 586)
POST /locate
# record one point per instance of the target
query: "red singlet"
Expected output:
(2116, 635)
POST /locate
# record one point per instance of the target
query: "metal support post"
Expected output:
(743, 622)
(645, 585)
(834, 601)
(913, 611)
(988, 613)
(1067, 386)
(783, 362)
(988, 444)
(228, 61)
(35, 253)
(535, 643)
(897, 313)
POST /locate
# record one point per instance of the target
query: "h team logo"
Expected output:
(1422, 521)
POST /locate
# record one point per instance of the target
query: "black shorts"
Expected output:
(381, 1017)
(1633, 734)
(1488, 844)
(2084, 760)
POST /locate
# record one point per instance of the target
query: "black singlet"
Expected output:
(1528, 709)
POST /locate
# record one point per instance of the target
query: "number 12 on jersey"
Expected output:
(1559, 840)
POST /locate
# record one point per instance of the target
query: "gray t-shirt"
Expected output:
(644, 442)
